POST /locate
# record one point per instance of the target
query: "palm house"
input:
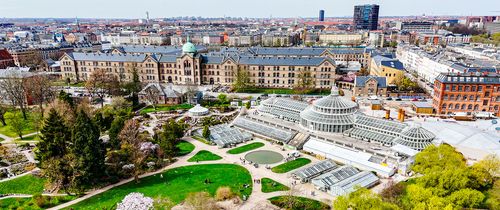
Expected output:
(415, 137)
(332, 113)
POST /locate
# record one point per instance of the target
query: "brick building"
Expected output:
(6, 60)
(192, 67)
(470, 92)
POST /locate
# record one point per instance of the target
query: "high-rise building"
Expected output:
(366, 16)
(321, 15)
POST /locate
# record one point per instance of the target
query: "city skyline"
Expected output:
(256, 8)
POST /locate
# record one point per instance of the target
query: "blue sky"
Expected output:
(237, 8)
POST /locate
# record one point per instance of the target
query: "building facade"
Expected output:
(191, 67)
(370, 86)
(6, 60)
(386, 67)
(366, 17)
(475, 90)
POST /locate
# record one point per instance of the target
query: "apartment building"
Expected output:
(471, 91)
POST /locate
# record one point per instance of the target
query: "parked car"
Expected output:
(389, 99)
(398, 99)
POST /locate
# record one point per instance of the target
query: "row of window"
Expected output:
(465, 107)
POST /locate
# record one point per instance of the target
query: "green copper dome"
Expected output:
(188, 47)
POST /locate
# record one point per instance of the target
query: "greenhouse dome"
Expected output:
(332, 113)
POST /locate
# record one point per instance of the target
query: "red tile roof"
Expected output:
(5, 55)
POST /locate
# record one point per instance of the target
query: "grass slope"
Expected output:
(245, 148)
(269, 185)
(27, 184)
(299, 204)
(30, 125)
(184, 148)
(290, 165)
(176, 184)
(204, 155)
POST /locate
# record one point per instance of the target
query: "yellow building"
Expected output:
(386, 67)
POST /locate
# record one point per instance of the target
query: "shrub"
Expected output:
(223, 193)
(39, 200)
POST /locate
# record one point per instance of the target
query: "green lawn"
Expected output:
(184, 148)
(160, 108)
(269, 185)
(35, 137)
(299, 204)
(291, 165)
(176, 184)
(245, 148)
(30, 127)
(27, 184)
(204, 155)
(31, 204)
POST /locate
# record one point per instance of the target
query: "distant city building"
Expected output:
(336, 38)
(493, 27)
(366, 17)
(414, 26)
(467, 92)
(321, 15)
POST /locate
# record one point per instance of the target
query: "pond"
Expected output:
(264, 157)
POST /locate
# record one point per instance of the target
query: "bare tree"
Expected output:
(101, 83)
(131, 142)
(14, 90)
(152, 96)
(40, 90)
(190, 90)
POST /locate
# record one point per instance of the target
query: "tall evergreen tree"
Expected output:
(114, 131)
(63, 96)
(54, 138)
(88, 149)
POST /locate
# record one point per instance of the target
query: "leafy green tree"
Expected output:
(17, 123)
(467, 198)
(60, 172)
(206, 132)
(114, 131)
(222, 98)
(169, 137)
(54, 138)
(248, 105)
(242, 81)
(438, 158)
(362, 199)
(89, 151)
(134, 87)
(305, 82)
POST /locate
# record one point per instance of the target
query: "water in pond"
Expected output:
(264, 157)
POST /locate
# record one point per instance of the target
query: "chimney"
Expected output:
(387, 114)
(402, 116)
